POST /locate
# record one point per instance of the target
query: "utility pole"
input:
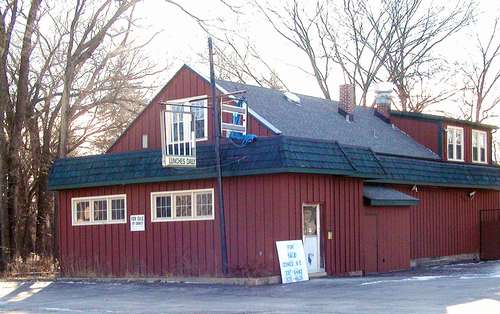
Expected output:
(217, 133)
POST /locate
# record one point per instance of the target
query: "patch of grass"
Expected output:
(32, 266)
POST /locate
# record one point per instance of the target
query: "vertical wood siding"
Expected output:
(265, 209)
(424, 132)
(184, 84)
(490, 234)
(177, 247)
(259, 211)
(446, 220)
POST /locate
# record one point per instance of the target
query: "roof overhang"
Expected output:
(432, 117)
(375, 195)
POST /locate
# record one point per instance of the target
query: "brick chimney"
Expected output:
(346, 101)
(383, 105)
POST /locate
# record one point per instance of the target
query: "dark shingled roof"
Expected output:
(384, 196)
(432, 117)
(278, 154)
(318, 118)
(429, 172)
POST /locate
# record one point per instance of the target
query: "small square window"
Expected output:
(204, 204)
(118, 209)
(83, 211)
(183, 205)
(100, 210)
(163, 207)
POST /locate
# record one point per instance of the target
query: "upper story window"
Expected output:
(182, 205)
(200, 119)
(455, 142)
(479, 140)
(178, 128)
(99, 210)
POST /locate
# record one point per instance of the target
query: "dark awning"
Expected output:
(383, 196)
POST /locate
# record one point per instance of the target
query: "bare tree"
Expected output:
(237, 58)
(108, 86)
(411, 58)
(373, 41)
(81, 47)
(302, 30)
(357, 36)
(17, 105)
(481, 77)
(240, 61)
(8, 15)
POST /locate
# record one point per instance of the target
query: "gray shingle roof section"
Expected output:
(429, 172)
(318, 118)
(384, 196)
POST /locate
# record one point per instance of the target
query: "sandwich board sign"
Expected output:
(292, 261)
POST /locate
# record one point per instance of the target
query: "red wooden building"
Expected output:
(368, 190)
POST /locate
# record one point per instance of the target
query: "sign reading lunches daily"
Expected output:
(292, 261)
(137, 223)
(180, 161)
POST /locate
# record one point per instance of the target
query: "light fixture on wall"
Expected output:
(414, 188)
(472, 194)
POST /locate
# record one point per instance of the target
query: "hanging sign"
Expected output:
(292, 261)
(137, 223)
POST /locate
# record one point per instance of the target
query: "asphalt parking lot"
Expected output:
(459, 288)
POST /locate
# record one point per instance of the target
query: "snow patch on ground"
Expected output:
(480, 276)
(58, 309)
(414, 278)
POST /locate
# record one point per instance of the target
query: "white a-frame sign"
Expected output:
(178, 135)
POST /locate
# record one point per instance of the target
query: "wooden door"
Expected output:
(490, 234)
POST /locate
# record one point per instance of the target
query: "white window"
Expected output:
(479, 144)
(199, 110)
(182, 205)
(144, 141)
(200, 119)
(163, 207)
(455, 141)
(99, 210)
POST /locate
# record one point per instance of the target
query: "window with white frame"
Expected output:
(455, 142)
(163, 204)
(199, 111)
(99, 210)
(479, 144)
(182, 205)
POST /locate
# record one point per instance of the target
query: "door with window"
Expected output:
(311, 237)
